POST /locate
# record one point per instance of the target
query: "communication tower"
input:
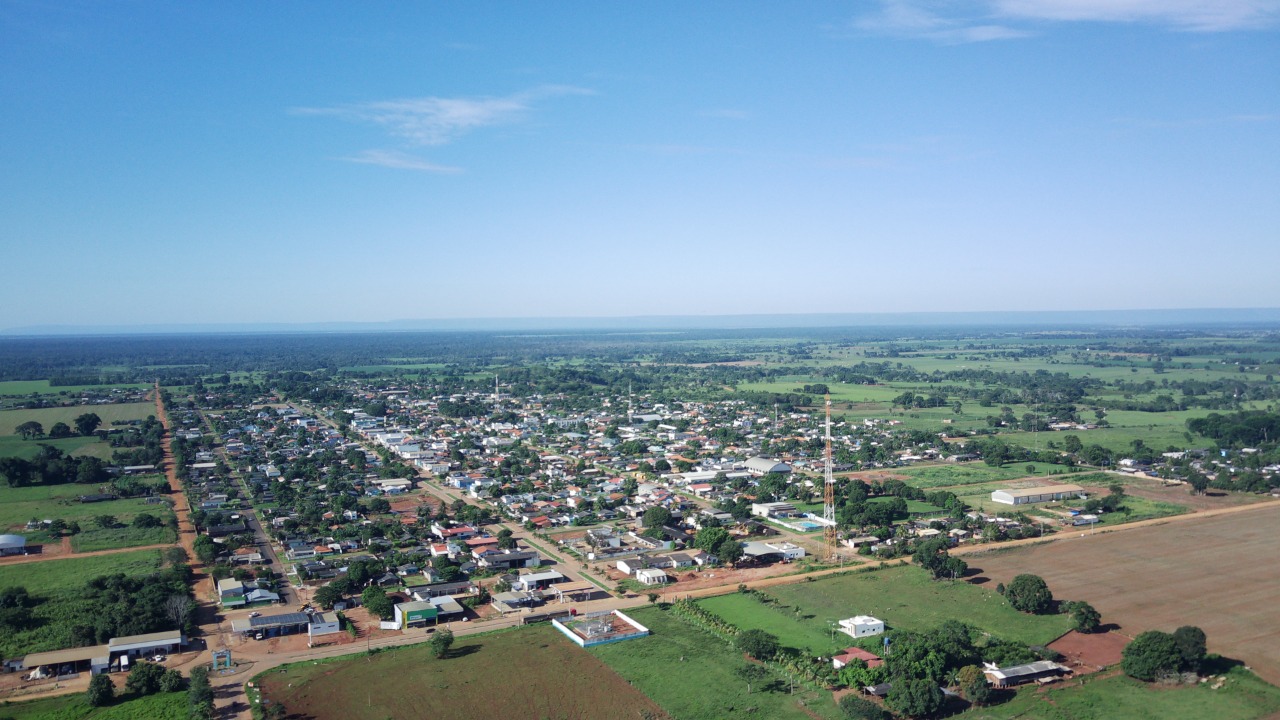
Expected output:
(829, 497)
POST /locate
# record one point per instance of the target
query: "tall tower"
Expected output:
(497, 396)
(829, 496)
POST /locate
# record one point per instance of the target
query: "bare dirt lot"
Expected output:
(1219, 573)
(1090, 653)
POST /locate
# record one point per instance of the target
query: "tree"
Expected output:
(30, 429)
(1084, 618)
(709, 538)
(171, 681)
(1072, 444)
(106, 522)
(326, 595)
(1151, 655)
(1191, 646)
(206, 549)
(200, 694)
(858, 708)
(144, 679)
(60, 430)
(87, 423)
(377, 602)
(146, 520)
(729, 551)
(758, 644)
(656, 517)
(441, 641)
(1029, 594)
(915, 697)
(101, 690)
(752, 674)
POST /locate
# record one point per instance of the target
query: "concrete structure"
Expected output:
(861, 626)
(415, 614)
(773, 509)
(651, 576)
(323, 624)
(1044, 493)
(13, 545)
(167, 642)
(599, 628)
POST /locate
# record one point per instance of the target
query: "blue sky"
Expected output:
(302, 162)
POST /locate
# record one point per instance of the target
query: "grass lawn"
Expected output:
(529, 672)
(15, 446)
(690, 673)
(10, 419)
(1140, 509)
(58, 584)
(935, 476)
(97, 538)
(906, 599)
(797, 631)
(1117, 697)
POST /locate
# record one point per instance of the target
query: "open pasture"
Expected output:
(530, 672)
(907, 599)
(936, 476)
(15, 513)
(26, 388)
(10, 419)
(1215, 572)
(691, 674)
(15, 446)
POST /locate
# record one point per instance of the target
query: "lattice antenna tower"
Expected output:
(497, 396)
(829, 495)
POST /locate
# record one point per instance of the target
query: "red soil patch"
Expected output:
(1090, 653)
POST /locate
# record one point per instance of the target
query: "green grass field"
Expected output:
(17, 510)
(905, 598)
(164, 706)
(915, 507)
(690, 673)
(793, 630)
(58, 583)
(528, 672)
(935, 476)
(1243, 697)
(10, 419)
(15, 446)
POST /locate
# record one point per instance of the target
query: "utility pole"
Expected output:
(829, 496)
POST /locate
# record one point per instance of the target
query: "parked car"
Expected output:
(254, 614)
(158, 658)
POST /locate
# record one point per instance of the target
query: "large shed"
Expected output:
(13, 545)
(1044, 493)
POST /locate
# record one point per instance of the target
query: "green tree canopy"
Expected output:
(758, 644)
(1151, 655)
(1029, 594)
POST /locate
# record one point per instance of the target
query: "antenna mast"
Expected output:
(829, 496)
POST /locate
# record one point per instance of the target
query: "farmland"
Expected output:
(1213, 572)
(110, 413)
(691, 674)
(58, 584)
(530, 672)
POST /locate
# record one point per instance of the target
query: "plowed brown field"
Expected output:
(1219, 573)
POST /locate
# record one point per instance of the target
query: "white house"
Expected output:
(1045, 493)
(861, 626)
(651, 576)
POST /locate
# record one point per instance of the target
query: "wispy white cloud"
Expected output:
(399, 160)
(438, 120)
(1199, 15)
(926, 20)
(967, 21)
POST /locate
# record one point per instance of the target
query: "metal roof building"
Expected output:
(12, 545)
